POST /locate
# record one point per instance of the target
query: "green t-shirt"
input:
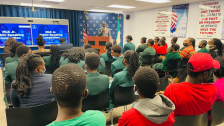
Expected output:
(182, 48)
(89, 118)
(141, 48)
(203, 51)
(147, 51)
(128, 46)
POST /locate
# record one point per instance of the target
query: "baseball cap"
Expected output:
(202, 62)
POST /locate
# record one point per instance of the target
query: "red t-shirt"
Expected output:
(166, 45)
(161, 50)
(155, 46)
(191, 99)
(134, 118)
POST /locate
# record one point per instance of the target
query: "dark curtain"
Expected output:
(71, 15)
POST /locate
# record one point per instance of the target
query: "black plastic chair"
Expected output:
(100, 101)
(184, 61)
(148, 60)
(42, 54)
(49, 70)
(7, 91)
(164, 82)
(217, 113)
(157, 58)
(63, 51)
(117, 71)
(173, 65)
(108, 72)
(108, 65)
(196, 120)
(33, 116)
(3, 56)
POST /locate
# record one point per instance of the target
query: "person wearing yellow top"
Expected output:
(40, 44)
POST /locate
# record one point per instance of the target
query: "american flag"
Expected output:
(85, 31)
(173, 21)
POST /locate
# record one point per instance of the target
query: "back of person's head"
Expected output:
(22, 50)
(218, 44)
(201, 64)
(26, 66)
(40, 40)
(131, 58)
(9, 42)
(219, 73)
(55, 56)
(157, 39)
(147, 81)
(116, 49)
(204, 43)
(174, 39)
(92, 60)
(144, 39)
(14, 47)
(129, 37)
(192, 40)
(164, 38)
(90, 50)
(151, 42)
(175, 47)
(162, 42)
(69, 85)
(108, 46)
(75, 54)
(62, 40)
(86, 46)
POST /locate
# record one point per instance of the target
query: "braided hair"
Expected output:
(132, 59)
(75, 54)
(25, 68)
(55, 56)
(40, 40)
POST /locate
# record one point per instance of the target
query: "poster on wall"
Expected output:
(179, 19)
(162, 21)
(210, 19)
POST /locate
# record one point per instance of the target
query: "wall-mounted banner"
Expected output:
(179, 18)
(210, 19)
(162, 21)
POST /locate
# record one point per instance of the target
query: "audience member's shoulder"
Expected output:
(104, 76)
(95, 115)
(48, 75)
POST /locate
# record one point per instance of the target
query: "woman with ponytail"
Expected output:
(40, 44)
(214, 46)
(107, 55)
(13, 56)
(124, 78)
(54, 58)
(32, 86)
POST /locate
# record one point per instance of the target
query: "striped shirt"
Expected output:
(186, 52)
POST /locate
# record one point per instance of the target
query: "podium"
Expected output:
(98, 42)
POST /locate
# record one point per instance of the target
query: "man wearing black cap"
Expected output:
(64, 45)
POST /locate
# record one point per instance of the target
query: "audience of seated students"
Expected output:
(124, 78)
(129, 45)
(194, 92)
(13, 56)
(148, 51)
(32, 86)
(40, 45)
(64, 45)
(184, 45)
(164, 38)
(8, 43)
(96, 83)
(214, 46)
(189, 50)
(102, 66)
(143, 45)
(54, 58)
(170, 56)
(173, 40)
(156, 44)
(202, 46)
(161, 49)
(219, 80)
(117, 64)
(10, 68)
(151, 109)
(74, 55)
(69, 89)
(86, 46)
(107, 55)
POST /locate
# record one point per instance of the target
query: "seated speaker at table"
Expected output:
(104, 31)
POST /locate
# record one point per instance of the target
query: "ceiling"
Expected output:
(89, 4)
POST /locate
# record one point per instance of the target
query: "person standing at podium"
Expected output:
(104, 31)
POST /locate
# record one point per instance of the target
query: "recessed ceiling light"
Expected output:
(155, 1)
(96, 10)
(121, 6)
(35, 5)
(55, 0)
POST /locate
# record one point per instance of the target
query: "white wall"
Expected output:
(141, 24)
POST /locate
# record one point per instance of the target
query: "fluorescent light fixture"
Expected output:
(155, 1)
(121, 6)
(109, 11)
(55, 0)
(35, 5)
